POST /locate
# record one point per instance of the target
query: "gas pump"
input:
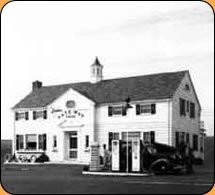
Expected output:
(115, 155)
(136, 155)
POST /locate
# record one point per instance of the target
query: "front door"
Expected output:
(73, 145)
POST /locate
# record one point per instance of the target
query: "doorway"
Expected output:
(73, 145)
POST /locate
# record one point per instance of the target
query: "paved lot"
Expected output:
(68, 179)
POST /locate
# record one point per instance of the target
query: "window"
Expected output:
(31, 141)
(195, 142)
(73, 145)
(182, 107)
(54, 141)
(202, 143)
(187, 87)
(179, 138)
(130, 136)
(145, 108)
(116, 110)
(188, 106)
(73, 141)
(149, 137)
(19, 142)
(192, 110)
(86, 141)
(73, 154)
(42, 141)
(40, 114)
(21, 115)
(182, 136)
(187, 138)
(112, 136)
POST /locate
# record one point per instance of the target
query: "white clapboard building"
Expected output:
(64, 120)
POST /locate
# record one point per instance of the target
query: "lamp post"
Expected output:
(127, 106)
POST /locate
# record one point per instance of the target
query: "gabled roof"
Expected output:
(155, 86)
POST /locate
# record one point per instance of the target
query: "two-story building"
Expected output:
(64, 120)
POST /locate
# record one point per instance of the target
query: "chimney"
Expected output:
(36, 85)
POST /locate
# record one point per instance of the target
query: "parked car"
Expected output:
(162, 159)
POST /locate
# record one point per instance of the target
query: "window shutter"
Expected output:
(44, 141)
(137, 109)
(45, 114)
(26, 115)
(177, 139)
(34, 115)
(17, 142)
(16, 116)
(110, 138)
(187, 138)
(123, 111)
(193, 110)
(152, 136)
(86, 141)
(110, 111)
(153, 109)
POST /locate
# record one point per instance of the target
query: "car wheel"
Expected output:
(160, 167)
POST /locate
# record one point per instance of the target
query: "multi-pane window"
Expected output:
(192, 110)
(19, 142)
(73, 145)
(116, 110)
(31, 141)
(179, 138)
(149, 137)
(145, 109)
(182, 107)
(40, 114)
(21, 115)
(188, 106)
(130, 136)
(195, 142)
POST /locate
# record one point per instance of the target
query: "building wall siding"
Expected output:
(185, 123)
(58, 126)
(159, 122)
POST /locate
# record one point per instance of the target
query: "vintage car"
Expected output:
(162, 159)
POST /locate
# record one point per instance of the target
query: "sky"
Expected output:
(56, 42)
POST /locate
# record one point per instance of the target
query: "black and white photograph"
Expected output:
(107, 97)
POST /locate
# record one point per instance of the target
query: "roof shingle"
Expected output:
(155, 86)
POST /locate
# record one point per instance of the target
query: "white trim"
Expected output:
(115, 174)
(29, 109)
(69, 89)
(136, 102)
